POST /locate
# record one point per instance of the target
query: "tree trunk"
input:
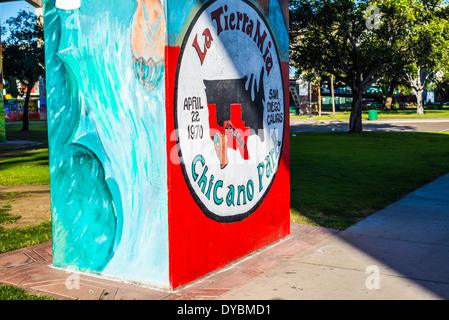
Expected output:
(390, 94)
(355, 122)
(319, 98)
(418, 84)
(419, 102)
(333, 95)
(388, 103)
(25, 121)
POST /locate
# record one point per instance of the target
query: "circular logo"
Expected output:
(229, 109)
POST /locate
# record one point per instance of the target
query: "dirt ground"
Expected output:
(31, 202)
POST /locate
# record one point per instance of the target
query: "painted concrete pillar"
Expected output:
(168, 134)
(2, 106)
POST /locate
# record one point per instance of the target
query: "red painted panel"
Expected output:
(199, 245)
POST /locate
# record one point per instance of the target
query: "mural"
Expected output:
(42, 99)
(229, 110)
(106, 119)
(14, 110)
(148, 43)
(227, 66)
(2, 110)
(169, 150)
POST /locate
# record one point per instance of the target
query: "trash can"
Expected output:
(372, 114)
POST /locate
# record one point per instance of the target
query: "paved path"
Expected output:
(30, 269)
(18, 144)
(401, 252)
(419, 125)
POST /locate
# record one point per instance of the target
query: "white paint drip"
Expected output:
(68, 4)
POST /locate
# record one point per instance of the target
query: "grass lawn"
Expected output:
(338, 178)
(383, 115)
(38, 132)
(24, 167)
(11, 293)
(5, 217)
(16, 238)
(27, 166)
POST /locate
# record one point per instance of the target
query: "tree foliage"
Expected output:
(428, 46)
(23, 53)
(347, 39)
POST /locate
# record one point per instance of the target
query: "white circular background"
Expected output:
(232, 55)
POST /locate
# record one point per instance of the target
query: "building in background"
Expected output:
(37, 110)
(299, 96)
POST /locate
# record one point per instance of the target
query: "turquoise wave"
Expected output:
(107, 147)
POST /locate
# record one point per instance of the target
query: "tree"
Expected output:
(428, 46)
(418, 79)
(337, 37)
(387, 84)
(441, 87)
(23, 53)
(332, 95)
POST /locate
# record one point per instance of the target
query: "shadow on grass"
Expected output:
(5, 216)
(24, 167)
(338, 178)
(26, 157)
(37, 133)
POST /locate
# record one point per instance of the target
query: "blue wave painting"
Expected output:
(108, 159)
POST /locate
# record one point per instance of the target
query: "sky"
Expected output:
(10, 9)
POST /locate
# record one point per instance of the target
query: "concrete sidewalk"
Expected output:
(30, 269)
(18, 144)
(401, 252)
(399, 125)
